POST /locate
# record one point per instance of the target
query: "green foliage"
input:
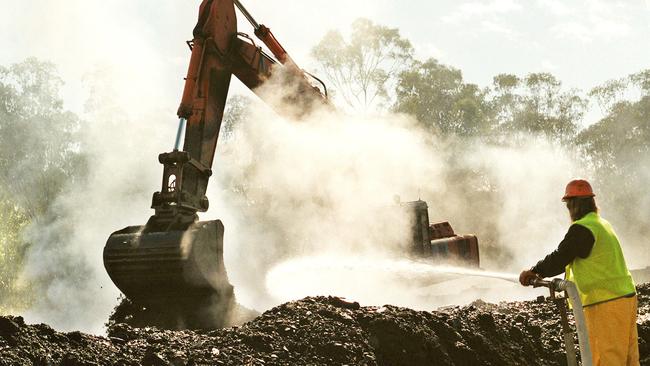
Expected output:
(39, 155)
(505, 98)
(39, 149)
(642, 80)
(437, 96)
(609, 94)
(615, 91)
(619, 144)
(364, 67)
(536, 104)
(619, 148)
(376, 57)
(620, 139)
(14, 294)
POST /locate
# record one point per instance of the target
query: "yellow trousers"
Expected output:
(612, 332)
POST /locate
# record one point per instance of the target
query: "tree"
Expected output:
(14, 295)
(642, 80)
(39, 155)
(618, 142)
(615, 91)
(364, 68)
(506, 98)
(39, 148)
(536, 104)
(609, 94)
(437, 96)
(618, 146)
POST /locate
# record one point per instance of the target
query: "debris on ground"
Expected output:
(139, 316)
(322, 331)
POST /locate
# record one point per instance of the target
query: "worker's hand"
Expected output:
(526, 276)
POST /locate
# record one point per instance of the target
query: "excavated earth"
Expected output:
(322, 331)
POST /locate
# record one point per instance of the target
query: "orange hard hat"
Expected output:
(578, 188)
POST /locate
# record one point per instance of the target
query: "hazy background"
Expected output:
(583, 43)
(294, 191)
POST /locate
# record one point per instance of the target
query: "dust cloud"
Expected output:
(117, 80)
(320, 188)
(123, 65)
(64, 263)
(304, 205)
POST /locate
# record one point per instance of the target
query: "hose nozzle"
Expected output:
(555, 284)
(538, 282)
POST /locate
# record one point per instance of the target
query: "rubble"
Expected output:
(139, 316)
(322, 331)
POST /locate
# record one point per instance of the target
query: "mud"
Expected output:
(322, 331)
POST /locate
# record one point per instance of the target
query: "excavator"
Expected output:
(174, 263)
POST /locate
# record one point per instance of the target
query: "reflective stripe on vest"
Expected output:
(603, 275)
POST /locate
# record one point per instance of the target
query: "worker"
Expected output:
(591, 257)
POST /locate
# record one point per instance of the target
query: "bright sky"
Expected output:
(582, 42)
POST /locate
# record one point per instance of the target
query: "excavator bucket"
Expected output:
(177, 274)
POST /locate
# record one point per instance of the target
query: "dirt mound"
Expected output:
(139, 316)
(322, 331)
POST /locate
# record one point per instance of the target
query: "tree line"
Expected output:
(374, 68)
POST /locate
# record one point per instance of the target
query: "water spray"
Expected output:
(370, 279)
(413, 267)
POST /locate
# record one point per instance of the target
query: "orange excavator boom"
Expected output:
(174, 263)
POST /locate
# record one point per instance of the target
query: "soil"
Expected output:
(139, 316)
(322, 331)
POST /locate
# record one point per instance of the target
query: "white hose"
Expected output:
(579, 315)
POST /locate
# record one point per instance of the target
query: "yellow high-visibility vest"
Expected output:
(603, 275)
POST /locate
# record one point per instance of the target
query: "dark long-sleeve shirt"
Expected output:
(577, 242)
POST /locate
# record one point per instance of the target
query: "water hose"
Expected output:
(579, 315)
(567, 332)
(571, 290)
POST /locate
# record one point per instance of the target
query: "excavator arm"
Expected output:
(218, 52)
(173, 266)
